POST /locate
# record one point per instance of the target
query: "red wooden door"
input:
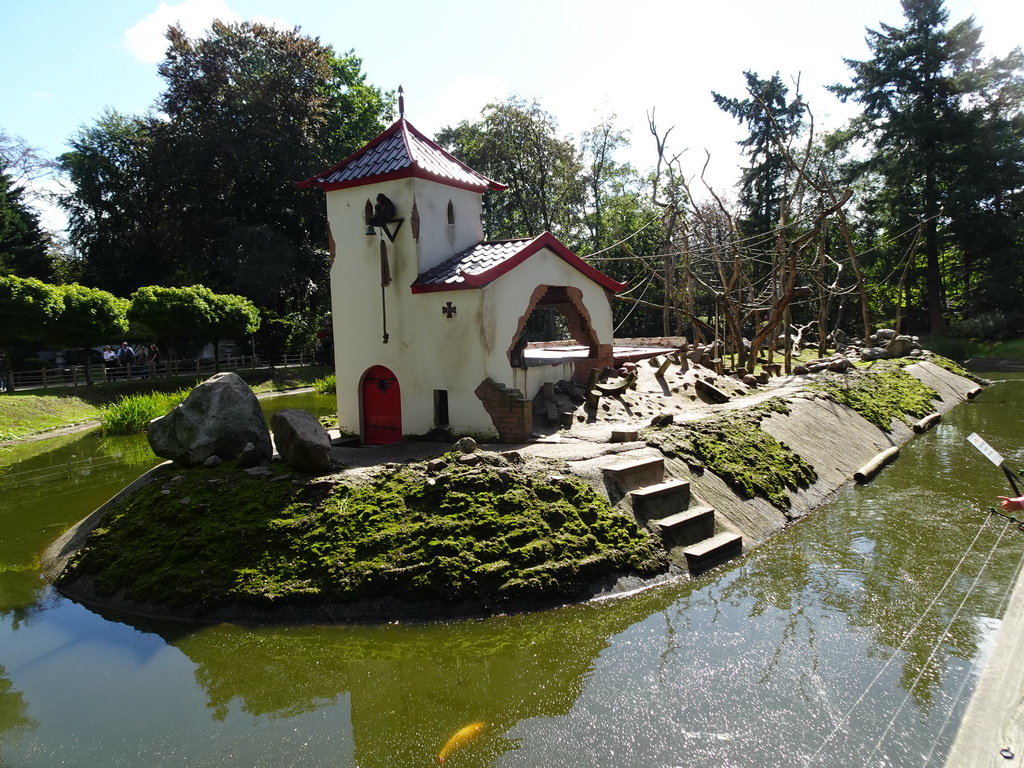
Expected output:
(382, 407)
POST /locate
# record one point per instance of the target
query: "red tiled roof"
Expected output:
(400, 152)
(485, 262)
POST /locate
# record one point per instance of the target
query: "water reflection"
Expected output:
(851, 639)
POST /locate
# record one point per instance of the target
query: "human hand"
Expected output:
(1010, 505)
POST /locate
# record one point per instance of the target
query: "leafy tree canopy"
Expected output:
(204, 192)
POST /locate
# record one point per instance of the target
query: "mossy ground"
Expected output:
(734, 447)
(490, 533)
(881, 394)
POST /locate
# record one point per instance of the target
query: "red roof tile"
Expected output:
(485, 262)
(400, 152)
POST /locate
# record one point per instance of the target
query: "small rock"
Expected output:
(258, 471)
(250, 456)
(213, 461)
(662, 420)
(465, 445)
(469, 459)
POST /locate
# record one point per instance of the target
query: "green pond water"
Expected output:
(854, 638)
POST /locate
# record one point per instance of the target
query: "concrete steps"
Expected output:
(713, 551)
(665, 506)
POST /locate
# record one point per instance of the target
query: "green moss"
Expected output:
(486, 533)
(734, 447)
(952, 367)
(881, 394)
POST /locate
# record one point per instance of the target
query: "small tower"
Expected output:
(426, 313)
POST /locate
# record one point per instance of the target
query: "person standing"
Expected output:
(109, 363)
(154, 358)
(125, 359)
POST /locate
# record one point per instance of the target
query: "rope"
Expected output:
(846, 717)
(938, 642)
(1000, 611)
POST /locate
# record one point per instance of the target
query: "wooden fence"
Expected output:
(74, 375)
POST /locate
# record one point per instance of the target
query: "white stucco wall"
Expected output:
(426, 350)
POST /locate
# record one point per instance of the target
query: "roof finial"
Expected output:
(401, 102)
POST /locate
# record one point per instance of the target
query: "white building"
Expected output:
(427, 314)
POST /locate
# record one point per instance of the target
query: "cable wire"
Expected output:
(906, 639)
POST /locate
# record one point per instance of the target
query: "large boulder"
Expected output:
(218, 418)
(900, 346)
(301, 440)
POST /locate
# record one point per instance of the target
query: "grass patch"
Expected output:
(131, 413)
(958, 348)
(328, 385)
(490, 533)
(734, 447)
(22, 414)
(29, 412)
(881, 394)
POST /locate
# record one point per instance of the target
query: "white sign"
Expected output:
(990, 453)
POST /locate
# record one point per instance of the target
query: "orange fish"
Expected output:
(461, 737)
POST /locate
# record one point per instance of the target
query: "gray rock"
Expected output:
(250, 457)
(301, 440)
(465, 445)
(872, 353)
(218, 418)
(899, 346)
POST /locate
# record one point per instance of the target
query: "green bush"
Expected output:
(327, 385)
(131, 413)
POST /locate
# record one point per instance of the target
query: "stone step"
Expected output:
(636, 474)
(661, 499)
(686, 528)
(713, 551)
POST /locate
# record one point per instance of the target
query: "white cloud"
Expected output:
(146, 40)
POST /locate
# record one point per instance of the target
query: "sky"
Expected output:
(64, 61)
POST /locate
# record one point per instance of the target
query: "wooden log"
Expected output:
(927, 423)
(874, 466)
(616, 389)
(663, 367)
(593, 394)
(973, 393)
(710, 391)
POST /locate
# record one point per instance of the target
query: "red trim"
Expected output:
(409, 172)
(438, 287)
(405, 127)
(546, 240)
(549, 241)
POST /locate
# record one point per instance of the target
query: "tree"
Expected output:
(250, 110)
(517, 143)
(179, 317)
(913, 92)
(88, 316)
(233, 317)
(23, 244)
(204, 192)
(773, 121)
(113, 212)
(27, 308)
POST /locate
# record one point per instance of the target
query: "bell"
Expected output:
(370, 231)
